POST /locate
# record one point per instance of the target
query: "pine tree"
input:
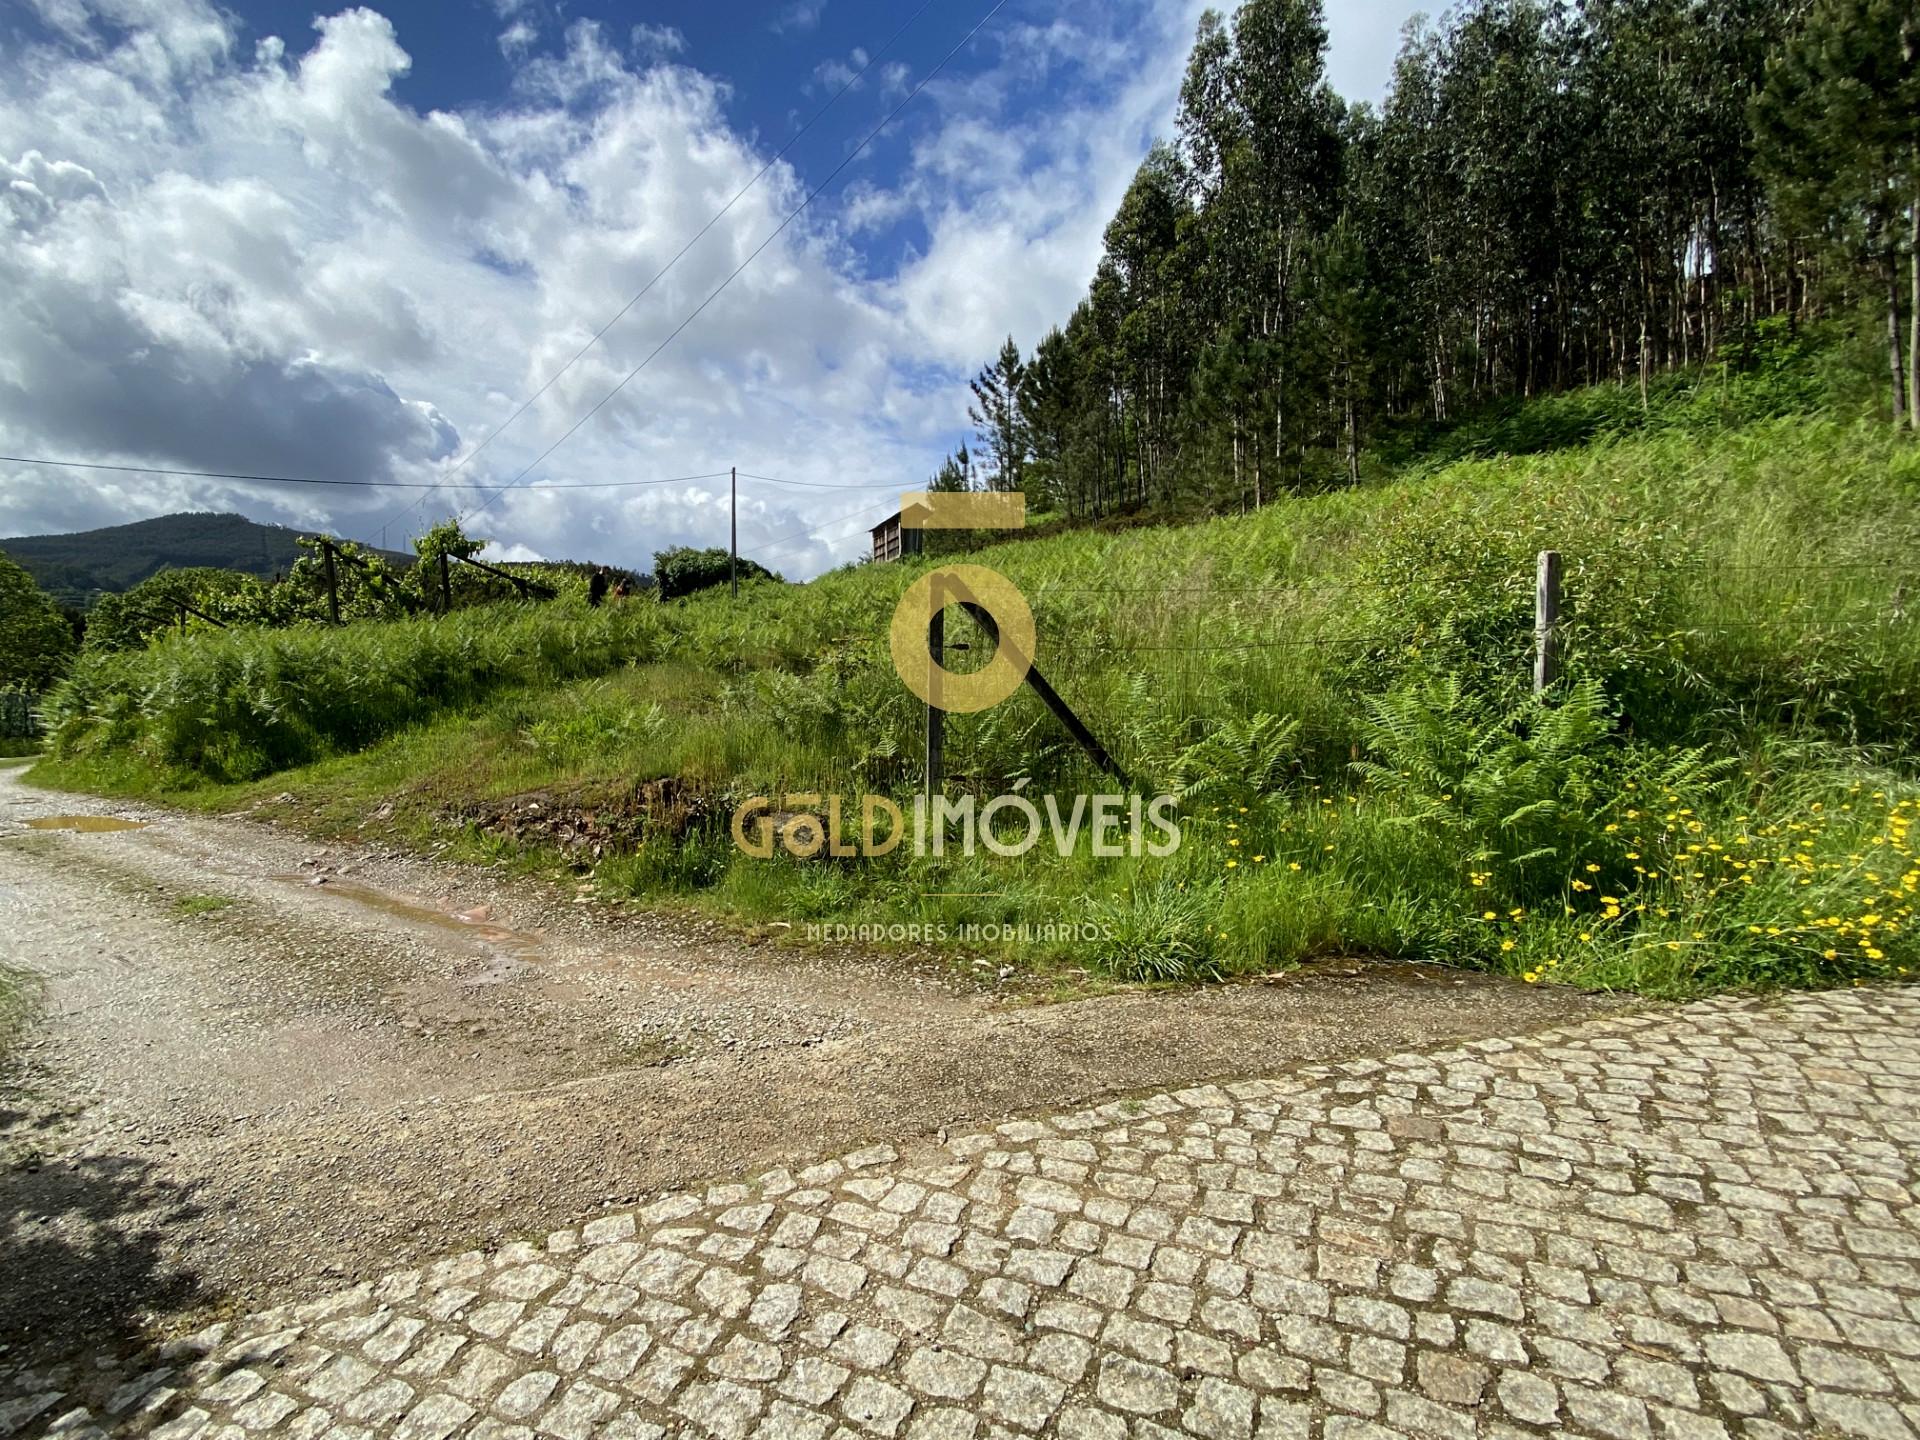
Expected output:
(1049, 401)
(952, 475)
(996, 415)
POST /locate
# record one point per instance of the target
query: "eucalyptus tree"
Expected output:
(1145, 259)
(1553, 193)
(1839, 131)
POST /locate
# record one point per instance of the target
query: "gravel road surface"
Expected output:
(262, 1068)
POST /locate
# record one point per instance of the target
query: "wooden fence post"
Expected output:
(1546, 622)
(333, 584)
(936, 717)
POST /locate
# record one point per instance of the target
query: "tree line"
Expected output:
(39, 639)
(1552, 195)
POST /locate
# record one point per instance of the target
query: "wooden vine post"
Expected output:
(333, 582)
(1035, 681)
(529, 589)
(936, 717)
(1546, 623)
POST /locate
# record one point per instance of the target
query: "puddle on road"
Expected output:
(85, 824)
(512, 952)
(506, 998)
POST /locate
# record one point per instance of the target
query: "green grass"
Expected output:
(188, 907)
(1337, 686)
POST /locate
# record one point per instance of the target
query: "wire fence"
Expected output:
(1128, 656)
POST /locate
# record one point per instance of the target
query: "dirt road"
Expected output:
(261, 1065)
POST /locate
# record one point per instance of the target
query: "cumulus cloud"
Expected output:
(244, 253)
(510, 554)
(35, 187)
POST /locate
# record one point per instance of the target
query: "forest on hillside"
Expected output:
(1552, 195)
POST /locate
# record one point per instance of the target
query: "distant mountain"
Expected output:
(77, 569)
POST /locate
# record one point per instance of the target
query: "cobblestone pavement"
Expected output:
(1695, 1223)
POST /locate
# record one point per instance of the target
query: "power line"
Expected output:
(698, 236)
(422, 484)
(779, 230)
(787, 541)
(360, 484)
(804, 484)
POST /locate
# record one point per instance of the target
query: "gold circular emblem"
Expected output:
(938, 686)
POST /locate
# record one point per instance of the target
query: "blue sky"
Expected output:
(783, 59)
(265, 238)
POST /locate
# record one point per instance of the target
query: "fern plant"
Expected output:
(1529, 793)
(1241, 761)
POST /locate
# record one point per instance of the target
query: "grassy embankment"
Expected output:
(1719, 795)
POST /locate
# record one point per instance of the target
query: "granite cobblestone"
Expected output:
(1693, 1223)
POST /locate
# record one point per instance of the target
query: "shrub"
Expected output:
(36, 642)
(683, 571)
(1156, 932)
(234, 705)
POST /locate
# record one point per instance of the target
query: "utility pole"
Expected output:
(733, 550)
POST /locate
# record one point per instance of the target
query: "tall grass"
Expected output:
(241, 703)
(1737, 637)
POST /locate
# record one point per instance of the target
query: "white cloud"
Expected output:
(518, 38)
(799, 16)
(835, 73)
(656, 42)
(1364, 38)
(254, 257)
(895, 78)
(865, 206)
(1016, 209)
(520, 554)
